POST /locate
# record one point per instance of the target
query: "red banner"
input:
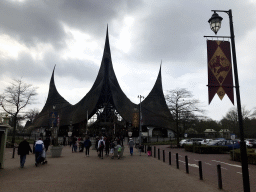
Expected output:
(220, 78)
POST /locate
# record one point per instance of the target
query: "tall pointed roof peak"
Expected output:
(52, 78)
(160, 70)
(107, 46)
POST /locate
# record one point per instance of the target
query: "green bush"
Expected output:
(203, 149)
(251, 155)
(188, 148)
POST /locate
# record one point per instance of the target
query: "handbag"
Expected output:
(43, 154)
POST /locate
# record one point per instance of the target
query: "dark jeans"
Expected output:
(74, 147)
(101, 152)
(38, 157)
(87, 150)
(107, 150)
(131, 150)
(22, 160)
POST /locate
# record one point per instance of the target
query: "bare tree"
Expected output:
(31, 114)
(230, 121)
(15, 98)
(182, 106)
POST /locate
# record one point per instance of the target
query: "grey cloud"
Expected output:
(175, 32)
(38, 21)
(40, 71)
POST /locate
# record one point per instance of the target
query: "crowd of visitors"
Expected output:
(109, 145)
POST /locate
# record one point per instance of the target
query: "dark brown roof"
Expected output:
(154, 109)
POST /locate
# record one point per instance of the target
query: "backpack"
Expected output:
(119, 149)
(101, 144)
(38, 148)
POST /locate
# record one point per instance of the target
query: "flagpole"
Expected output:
(139, 96)
(244, 159)
(214, 21)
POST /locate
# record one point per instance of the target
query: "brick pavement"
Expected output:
(75, 172)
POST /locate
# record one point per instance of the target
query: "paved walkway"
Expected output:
(75, 172)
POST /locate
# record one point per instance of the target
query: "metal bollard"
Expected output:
(177, 160)
(186, 160)
(150, 151)
(145, 148)
(163, 156)
(154, 151)
(200, 170)
(158, 154)
(170, 158)
(219, 176)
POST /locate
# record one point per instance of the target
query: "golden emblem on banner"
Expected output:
(135, 119)
(220, 67)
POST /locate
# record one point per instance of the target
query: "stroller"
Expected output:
(43, 158)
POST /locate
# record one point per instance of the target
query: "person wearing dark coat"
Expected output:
(23, 150)
(107, 144)
(87, 145)
(47, 142)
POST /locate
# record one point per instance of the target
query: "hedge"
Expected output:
(203, 149)
(251, 155)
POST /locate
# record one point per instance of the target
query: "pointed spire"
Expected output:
(160, 73)
(52, 78)
(107, 46)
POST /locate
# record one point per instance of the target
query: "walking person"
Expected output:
(119, 150)
(39, 147)
(107, 143)
(96, 144)
(131, 144)
(64, 140)
(112, 148)
(87, 145)
(23, 150)
(74, 144)
(47, 142)
(149, 150)
(70, 141)
(101, 145)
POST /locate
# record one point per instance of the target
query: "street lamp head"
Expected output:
(215, 22)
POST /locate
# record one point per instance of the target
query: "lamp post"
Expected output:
(215, 24)
(70, 128)
(141, 97)
(148, 134)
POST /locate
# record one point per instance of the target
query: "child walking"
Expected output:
(112, 148)
(119, 149)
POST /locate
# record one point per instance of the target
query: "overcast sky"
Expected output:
(36, 35)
